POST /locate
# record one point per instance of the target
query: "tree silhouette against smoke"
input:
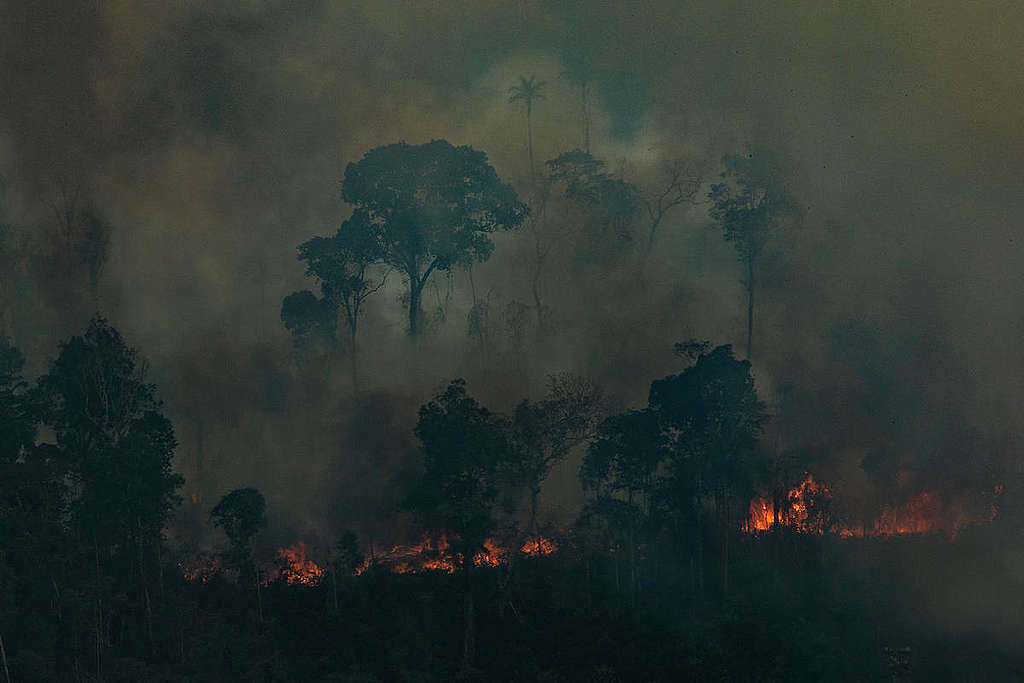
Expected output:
(543, 432)
(118, 448)
(712, 418)
(341, 266)
(241, 514)
(433, 207)
(465, 450)
(751, 205)
(526, 92)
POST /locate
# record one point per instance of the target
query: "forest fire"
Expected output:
(435, 553)
(200, 568)
(808, 508)
(296, 568)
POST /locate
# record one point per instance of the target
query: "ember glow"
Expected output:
(808, 508)
(296, 567)
(200, 568)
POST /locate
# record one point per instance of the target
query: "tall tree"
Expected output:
(543, 432)
(312, 321)
(241, 514)
(118, 447)
(622, 467)
(751, 205)
(108, 424)
(465, 449)
(526, 91)
(713, 417)
(433, 207)
(681, 186)
(341, 265)
(579, 70)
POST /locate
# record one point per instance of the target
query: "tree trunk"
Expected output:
(142, 581)
(750, 306)
(469, 641)
(352, 358)
(529, 139)
(415, 292)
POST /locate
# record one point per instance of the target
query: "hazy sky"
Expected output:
(213, 136)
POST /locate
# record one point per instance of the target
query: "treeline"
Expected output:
(655, 581)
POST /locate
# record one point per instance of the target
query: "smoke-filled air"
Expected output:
(520, 340)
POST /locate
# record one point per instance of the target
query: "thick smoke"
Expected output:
(211, 138)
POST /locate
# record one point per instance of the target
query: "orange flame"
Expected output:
(435, 553)
(296, 567)
(805, 509)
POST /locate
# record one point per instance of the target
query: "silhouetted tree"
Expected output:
(312, 320)
(465, 449)
(544, 432)
(341, 265)
(579, 70)
(609, 201)
(241, 514)
(681, 186)
(712, 417)
(433, 207)
(622, 467)
(751, 205)
(118, 448)
(526, 92)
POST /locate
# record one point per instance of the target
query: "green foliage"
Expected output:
(341, 263)
(712, 418)
(464, 449)
(241, 514)
(526, 91)
(433, 207)
(109, 429)
(311, 320)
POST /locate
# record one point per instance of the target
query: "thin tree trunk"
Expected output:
(352, 358)
(415, 291)
(142, 579)
(469, 642)
(529, 140)
(3, 656)
(750, 307)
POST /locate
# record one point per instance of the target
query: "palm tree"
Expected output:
(526, 91)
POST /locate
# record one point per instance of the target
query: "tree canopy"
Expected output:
(433, 207)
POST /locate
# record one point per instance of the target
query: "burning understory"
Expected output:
(434, 553)
(812, 507)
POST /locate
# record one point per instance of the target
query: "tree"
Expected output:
(681, 186)
(543, 432)
(108, 424)
(241, 514)
(526, 91)
(622, 467)
(433, 207)
(611, 202)
(579, 70)
(341, 265)
(712, 417)
(311, 320)
(465, 449)
(118, 449)
(750, 206)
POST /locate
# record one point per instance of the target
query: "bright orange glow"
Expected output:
(200, 568)
(296, 567)
(807, 509)
(538, 546)
(436, 553)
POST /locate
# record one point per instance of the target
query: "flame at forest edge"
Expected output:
(808, 508)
